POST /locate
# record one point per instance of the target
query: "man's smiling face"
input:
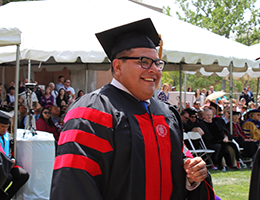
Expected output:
(139, 81)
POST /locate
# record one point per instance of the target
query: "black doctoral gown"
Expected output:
(111, 148)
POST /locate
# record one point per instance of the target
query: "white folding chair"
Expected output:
(202, 151)
(241, 149)
(185, 136)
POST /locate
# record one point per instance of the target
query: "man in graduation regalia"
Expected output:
(120, 142)
(251, 127)
(9, 172)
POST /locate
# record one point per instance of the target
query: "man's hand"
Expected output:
(198, 129)
(196, 169)
(225, 139)
(13, 160)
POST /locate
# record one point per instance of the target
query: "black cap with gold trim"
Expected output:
(133, 35)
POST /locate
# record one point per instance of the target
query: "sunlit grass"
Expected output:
(231, 185)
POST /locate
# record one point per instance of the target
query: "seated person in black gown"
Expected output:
(250, 145)
(217, 137)
(190, 119)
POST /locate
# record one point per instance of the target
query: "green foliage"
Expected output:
(222, 17)
(167, 10)
(199, 82)
(249, 37)
(171, 77)
(8, 1)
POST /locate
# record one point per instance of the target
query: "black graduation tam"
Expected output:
(254, 111)
(236, 113)
(191, 111)
(214, 105)
(218, 108)
(4, 119)
(134, 35)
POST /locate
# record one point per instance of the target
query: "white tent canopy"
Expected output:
(12, 37)
(255, 50)
(9, 36)
(65, 31)
(225, 73)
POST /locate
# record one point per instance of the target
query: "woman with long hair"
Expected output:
(198, 97)
(62, 96)
(163, 94)
(80, 94)
(47, 99)
(189, 89)
(44, 123)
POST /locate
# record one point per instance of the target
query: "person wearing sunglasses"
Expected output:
(185, 118)
(120, 142)
(196, 106)
(44, 123)
(251, 127)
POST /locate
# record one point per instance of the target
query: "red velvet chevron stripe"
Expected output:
(77, 162)
(157, 150)
(86, 139)
(90, 114)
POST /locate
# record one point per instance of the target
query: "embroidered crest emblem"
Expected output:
(161, 130)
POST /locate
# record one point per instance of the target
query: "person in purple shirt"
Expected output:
(47, 99)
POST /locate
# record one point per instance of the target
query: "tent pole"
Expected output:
(231, 98)
(257, 90)
(3, 86)
(16, 97)
(29, 71)
(180, 70)
(185, 86)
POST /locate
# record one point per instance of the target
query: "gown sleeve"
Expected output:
(5, 167)
(85, 151)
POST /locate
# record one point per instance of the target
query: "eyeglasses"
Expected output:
(187, 118)
(46, 112)
(192, 116)
(67, 81)
(146, 62)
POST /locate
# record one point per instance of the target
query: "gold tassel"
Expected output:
(161, 47)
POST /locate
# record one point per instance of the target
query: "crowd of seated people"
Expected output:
(212, 121)
(48, 104)
(47, 109)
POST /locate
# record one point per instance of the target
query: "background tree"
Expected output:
(3, 2)
(236, 18)
(222, 17)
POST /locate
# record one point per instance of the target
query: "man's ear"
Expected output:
(116, 64)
